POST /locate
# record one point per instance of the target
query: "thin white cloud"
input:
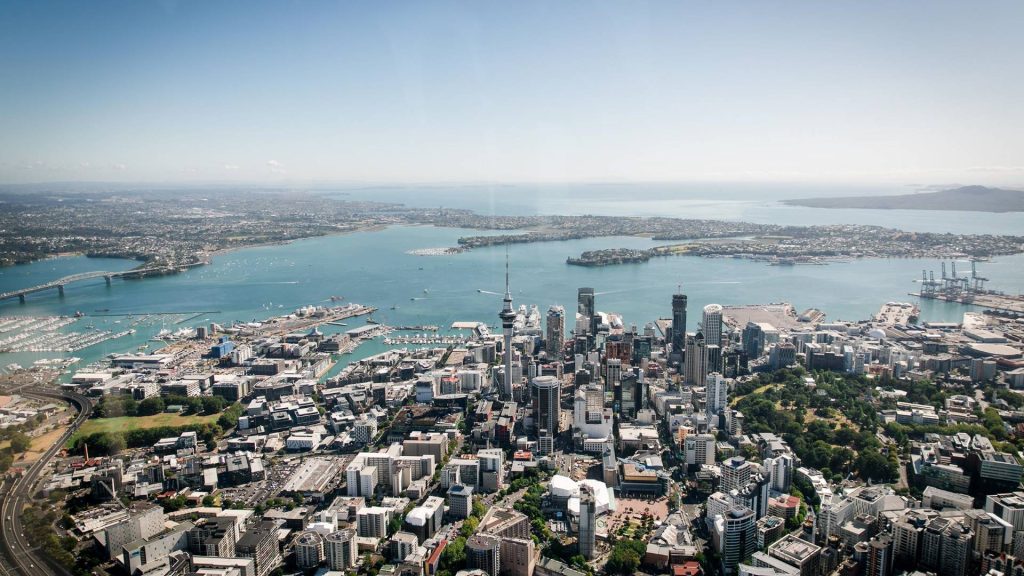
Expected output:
(995, 169)
(274, 164)
(231, 167)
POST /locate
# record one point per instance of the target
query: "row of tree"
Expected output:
(110, 443)
(116, 406)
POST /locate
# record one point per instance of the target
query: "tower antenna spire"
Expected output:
(508, 318)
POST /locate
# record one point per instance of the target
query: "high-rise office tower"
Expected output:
(678, 323)
(586, 308)
(554, 341)
(753, 340)
(546, 392)
(588, 522)
(612, 374)
(739, 537)
(712, 358)
(508, 318)
(717, 395)
(695, 366)
(711, 324)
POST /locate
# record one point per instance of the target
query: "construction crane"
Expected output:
(979, 281)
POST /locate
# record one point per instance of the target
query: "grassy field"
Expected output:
(125, 423)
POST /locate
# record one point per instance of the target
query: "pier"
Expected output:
(424, 328)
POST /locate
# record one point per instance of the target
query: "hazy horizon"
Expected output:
(899, 96)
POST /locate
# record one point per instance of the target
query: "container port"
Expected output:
(966, 289)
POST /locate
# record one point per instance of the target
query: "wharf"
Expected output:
(897, 313)
(781, 315)
(194, 313)
(1000, 302)
(287, 324)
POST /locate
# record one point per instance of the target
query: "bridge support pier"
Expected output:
(21, 298)
(60, 290)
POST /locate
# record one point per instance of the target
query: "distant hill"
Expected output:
(970, 198)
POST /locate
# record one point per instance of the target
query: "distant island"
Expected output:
(966, 198)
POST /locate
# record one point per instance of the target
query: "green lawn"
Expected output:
(125, 423)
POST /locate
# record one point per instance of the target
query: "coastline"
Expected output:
(220, 251)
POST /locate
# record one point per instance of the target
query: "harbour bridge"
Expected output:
(60, 283)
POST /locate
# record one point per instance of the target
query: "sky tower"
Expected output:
(508, 317)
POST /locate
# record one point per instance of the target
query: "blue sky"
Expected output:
(838, 91)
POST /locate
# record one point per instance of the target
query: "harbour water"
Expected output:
(375, 268)
(758, 203)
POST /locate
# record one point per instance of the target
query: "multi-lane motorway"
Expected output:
(22, 557)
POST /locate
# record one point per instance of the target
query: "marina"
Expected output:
(45, 335)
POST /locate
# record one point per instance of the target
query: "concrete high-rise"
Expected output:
(699, 449)
(678, 323)
(546, 404)
(880, 555)
(309, 550)
(711, 324)
(717, 396)
(780, 471)
(554, 341)
(483, 552)
(612, 374)
(736, 473)
(588, 522)
(508, 318)
(695, 364)
(340, 549)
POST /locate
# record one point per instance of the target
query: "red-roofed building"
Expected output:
(688, 568)
(786, 506)
(435, 558)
